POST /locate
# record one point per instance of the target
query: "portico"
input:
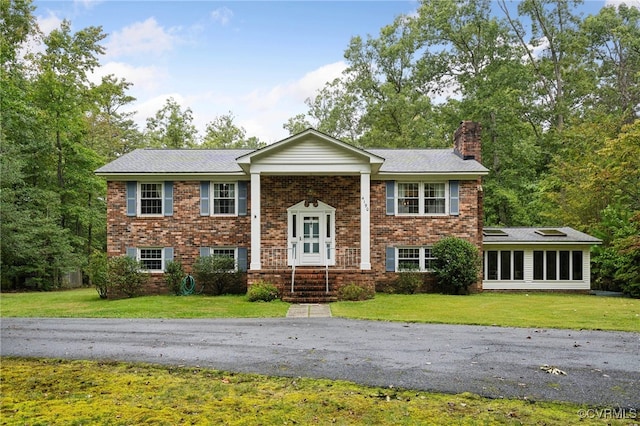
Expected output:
(313, 236)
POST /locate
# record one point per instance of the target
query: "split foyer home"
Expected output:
(311, 213)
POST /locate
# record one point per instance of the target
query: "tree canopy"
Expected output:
(557, 93)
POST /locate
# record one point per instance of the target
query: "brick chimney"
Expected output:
(466, 141)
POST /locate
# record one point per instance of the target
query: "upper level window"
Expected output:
(224, 198)
(422, 198)
(151, 198)
(408, 198)
(434, 198)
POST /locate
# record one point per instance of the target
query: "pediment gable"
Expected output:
(310, 151)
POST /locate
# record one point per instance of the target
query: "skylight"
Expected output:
(494, 233)
(551, 233)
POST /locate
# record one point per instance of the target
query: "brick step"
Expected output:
(297, 298)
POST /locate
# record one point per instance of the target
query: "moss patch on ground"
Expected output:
(60, 392)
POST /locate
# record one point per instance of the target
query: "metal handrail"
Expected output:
(326, 267)
(294, 247)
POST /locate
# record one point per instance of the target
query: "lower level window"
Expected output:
(414, 259)
(224, 252)
(151, 258)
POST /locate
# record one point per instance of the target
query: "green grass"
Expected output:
(56, 392)
(85, 303)
(544, 310)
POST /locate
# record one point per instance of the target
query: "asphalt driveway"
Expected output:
(602, 368)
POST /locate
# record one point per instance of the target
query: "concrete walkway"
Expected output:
(307, 310)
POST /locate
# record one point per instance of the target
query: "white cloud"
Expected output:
(297, 91)
(630, 3)
(48, 23)
(149, 107)
(222, 15)
(145, 79)
(140, 38)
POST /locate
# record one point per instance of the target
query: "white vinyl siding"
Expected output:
(578, 268)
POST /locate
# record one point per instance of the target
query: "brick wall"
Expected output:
(420, 230)
(278, 193)
(186, 231)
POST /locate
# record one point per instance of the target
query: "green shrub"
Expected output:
(173, 275)
(217, 275)
(262, 292)
(354, 292)
(126, 275)
(456, 265)
(408, 282)
(97, 271)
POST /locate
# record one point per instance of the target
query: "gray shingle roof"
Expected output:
(224, 161)
(176, 161)
(529, 235)
(425, 160)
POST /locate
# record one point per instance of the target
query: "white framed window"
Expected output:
(504, 265)
(230, 252)
(224, 198)
(422, 198)
(434, 198)
(429, 258)
(414, 259)
(554, 265)
(150, 199)
(152, 259)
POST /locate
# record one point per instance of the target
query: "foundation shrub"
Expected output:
(126, 276)
(408, 282)
(262, 291)
(97, 272)
(354, 292)
(173, 276)
(217, 275)
(456, 265)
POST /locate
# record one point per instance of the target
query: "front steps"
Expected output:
(309, 287)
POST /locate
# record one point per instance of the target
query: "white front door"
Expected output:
(311, 234)
(311, 241)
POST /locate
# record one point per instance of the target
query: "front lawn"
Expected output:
(85, 303)
(540, 310)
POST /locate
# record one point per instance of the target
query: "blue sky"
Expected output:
(258, 60)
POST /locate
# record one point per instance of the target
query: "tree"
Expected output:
(223, 133)
(171, 127)
(48, 179)
(612, 45)
(111, 133)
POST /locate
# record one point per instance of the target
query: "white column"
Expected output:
(365, 220)
(255, 222)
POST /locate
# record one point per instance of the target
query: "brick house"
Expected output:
(309, 213)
